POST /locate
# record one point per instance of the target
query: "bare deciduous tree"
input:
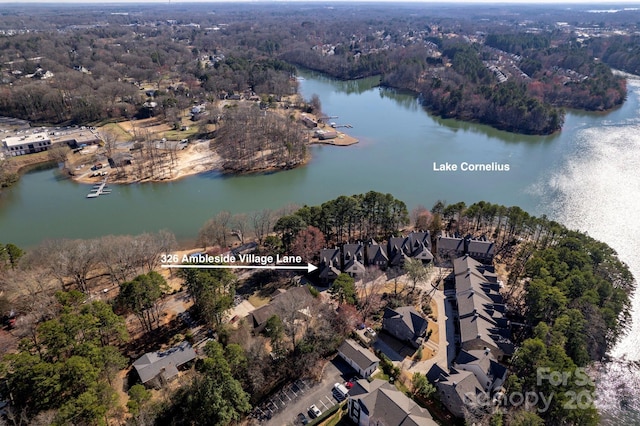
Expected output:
(262, 222)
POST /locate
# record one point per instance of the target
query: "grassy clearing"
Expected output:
(258, 301)
(117, 130)
(177, 135)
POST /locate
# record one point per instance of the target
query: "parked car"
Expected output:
(314, 411)
(340, 391)
(302, 419)
(371, 332)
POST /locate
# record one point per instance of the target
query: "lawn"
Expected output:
(118, 131)
(258, 301)
(177, 135)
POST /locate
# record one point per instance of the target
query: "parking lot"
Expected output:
(283, 407)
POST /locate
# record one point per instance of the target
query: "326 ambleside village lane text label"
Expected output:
(494, 166)
(202, 258)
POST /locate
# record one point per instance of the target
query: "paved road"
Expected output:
(319, 394)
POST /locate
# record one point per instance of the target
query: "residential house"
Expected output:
(330, 267)
(361, 359)
(395, 251)
(453, 247)
(405, 324)
(450, 247)
(379, 403)
(376, 255)
(157, 368)
(490, 374)
(284, 302)
(480, 309)
(460, 390)
(353, 259)
(308, 121)
(417, 245)
(472, 382)
(481, 250)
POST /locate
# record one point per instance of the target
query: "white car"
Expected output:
(371, 332)
(314, 411)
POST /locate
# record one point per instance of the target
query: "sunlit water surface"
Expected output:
(598, 191)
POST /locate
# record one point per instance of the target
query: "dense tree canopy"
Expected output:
(69, 364)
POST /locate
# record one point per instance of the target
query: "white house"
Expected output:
(361, 359)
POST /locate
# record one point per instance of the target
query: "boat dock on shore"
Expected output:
(99, 189)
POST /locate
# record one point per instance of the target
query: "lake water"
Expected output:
(585, 177)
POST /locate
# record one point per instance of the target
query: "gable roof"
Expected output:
(388, 405)
(330, 263)
(167, 362)
(361, 356)
(409, 316)
(353, 255)
(484, 360)
(450, 244)
(376, 251)
(485, 248)
(461, 383)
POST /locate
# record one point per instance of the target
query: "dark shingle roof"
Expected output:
(361, 356)
(410, 317)
(389, 406)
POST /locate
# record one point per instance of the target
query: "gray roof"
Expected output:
(376, 251)
(361, 356)
(167, 362)
(461, 383)
(484, 360)
(411, 318)
(353, 256)
(450, 244)
(330, 263)
(485, 248)
(389, 406)
(423, 237)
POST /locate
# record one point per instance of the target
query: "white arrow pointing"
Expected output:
(309, 268)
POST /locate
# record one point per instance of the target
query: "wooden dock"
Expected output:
(99, 189)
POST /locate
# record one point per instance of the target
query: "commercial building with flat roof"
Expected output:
(26, 144)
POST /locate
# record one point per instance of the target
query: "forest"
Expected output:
(102, 66)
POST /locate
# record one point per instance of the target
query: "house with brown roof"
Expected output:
(380, 403)
(360, 359)
(405, 324)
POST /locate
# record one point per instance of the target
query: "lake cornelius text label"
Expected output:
(494, 166)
